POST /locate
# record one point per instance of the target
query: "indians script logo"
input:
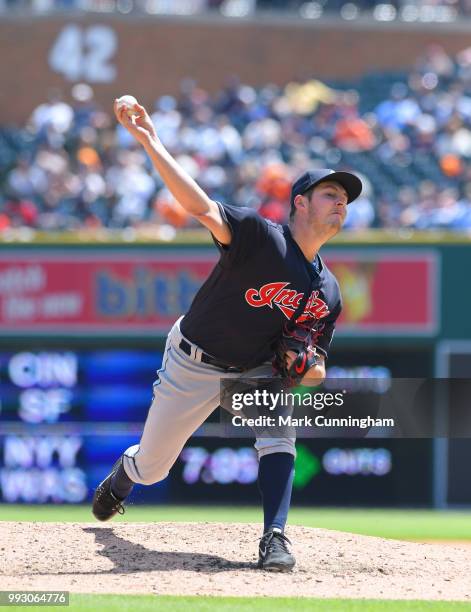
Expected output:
(287, 300)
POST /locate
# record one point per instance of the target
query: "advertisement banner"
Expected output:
(144, 292)
(387, 292)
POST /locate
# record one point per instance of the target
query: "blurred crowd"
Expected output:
(462, 7)
(71, 166)
(383, 10)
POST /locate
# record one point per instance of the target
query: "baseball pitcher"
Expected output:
(269, 303)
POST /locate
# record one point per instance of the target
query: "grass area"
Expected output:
(387, 523)
(119, 603)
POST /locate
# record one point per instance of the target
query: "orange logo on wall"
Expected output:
(355, 281)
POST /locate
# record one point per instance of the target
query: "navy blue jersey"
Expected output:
(259, 281)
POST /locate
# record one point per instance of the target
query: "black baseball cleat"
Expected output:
(273, 552)
(105, 504)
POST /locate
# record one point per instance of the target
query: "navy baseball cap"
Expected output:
(349, 182)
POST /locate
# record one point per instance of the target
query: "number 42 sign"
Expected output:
(85, 53)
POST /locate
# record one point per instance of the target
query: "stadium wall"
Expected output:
(81, 335)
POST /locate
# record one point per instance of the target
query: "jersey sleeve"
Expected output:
(249, 232)
(325, 332)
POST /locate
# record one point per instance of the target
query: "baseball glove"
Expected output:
(297, 338)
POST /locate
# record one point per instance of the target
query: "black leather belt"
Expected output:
(205, 358)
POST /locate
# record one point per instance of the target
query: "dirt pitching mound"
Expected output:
(220, 559)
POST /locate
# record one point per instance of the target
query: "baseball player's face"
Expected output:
(327, 207)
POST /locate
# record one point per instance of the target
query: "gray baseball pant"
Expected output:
(185, 394)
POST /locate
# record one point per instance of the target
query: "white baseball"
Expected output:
(128, 102)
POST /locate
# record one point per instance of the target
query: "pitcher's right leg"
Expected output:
(185, 394)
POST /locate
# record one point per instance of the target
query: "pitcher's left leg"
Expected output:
(275, 480)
